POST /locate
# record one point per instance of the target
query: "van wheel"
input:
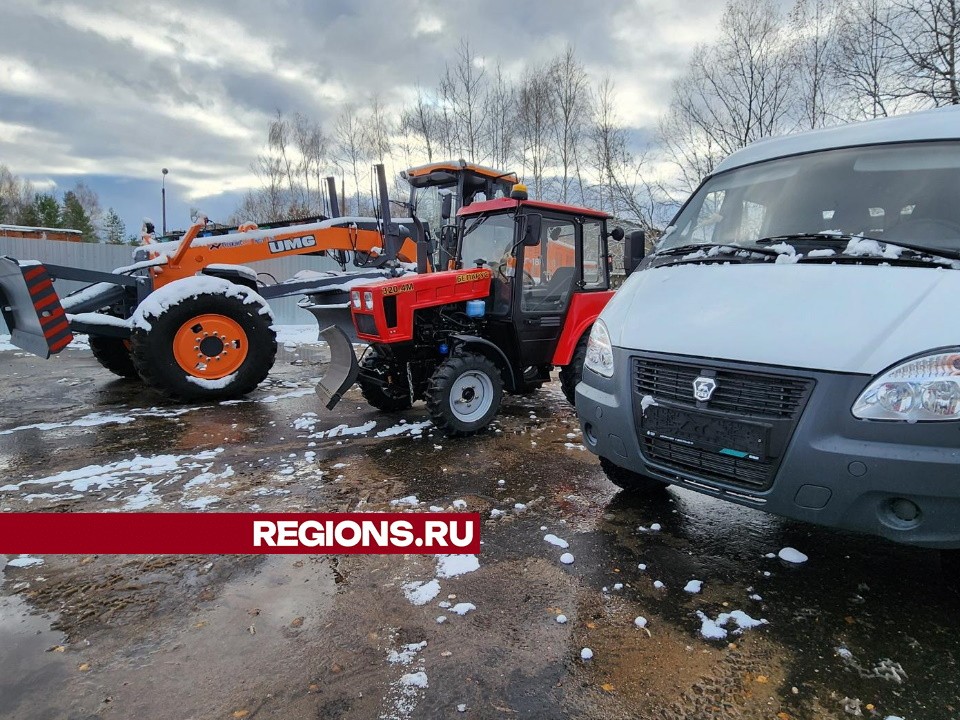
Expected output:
(207, 347)
(113, 353)
(630, 481)
(570, 375)
(464, 393)
(394, 398)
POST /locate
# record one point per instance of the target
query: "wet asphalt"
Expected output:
(863, 626)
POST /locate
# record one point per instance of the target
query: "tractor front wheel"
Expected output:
(113, 353)
(382, 383)
(464, 394)
(572, 373)
(211, 346)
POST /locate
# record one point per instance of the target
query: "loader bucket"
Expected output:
(343, 369)
(31, 308)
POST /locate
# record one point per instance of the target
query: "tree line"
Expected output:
(765, 72)
(77, 209)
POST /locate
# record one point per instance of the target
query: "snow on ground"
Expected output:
(554, 540)
(404, 428)
(25, 561)
(694, 586)
(792, 555)
(449, 566)
(420, 592)
(106, 418)
(463, 608)
(407, 654)
(717, 629)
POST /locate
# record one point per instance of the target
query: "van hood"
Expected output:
(841, 318)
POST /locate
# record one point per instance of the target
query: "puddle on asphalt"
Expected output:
(26, 668)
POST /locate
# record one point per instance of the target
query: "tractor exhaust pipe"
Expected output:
(332, 192)
(342, 370)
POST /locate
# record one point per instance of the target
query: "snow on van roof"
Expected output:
(939, 124)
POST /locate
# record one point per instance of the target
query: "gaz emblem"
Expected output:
(703, 388)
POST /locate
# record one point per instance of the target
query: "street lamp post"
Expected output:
(163, 198)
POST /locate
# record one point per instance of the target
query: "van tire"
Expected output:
(630, 481)
(572, 373)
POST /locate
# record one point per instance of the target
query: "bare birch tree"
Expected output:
(927, 34)
(866, 63)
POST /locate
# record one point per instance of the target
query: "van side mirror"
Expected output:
(634, 249)
(531, 231)
(447, 206)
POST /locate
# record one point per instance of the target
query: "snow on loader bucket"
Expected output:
(31, 308)
(343, 369)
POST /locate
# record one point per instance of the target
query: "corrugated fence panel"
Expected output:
(94, 256)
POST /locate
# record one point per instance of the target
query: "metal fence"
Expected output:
(95, 256)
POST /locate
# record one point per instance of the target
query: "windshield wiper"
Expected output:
(694, 247)
(476, 223)
(846, 238)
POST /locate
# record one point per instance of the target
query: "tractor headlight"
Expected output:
(355, 299)
(599, 350)
(924, 388)
(368, 300)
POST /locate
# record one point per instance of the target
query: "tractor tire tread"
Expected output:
(113, 355)
(438, 390)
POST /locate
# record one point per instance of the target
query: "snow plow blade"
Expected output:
(343, 368)
(31, 308)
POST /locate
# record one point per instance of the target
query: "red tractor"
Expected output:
(524, 283)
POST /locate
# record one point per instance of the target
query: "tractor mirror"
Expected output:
(634, 250)
(617, 234)
(531, 232)
(447, 206)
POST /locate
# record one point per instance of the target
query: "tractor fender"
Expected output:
(238, 274)
(583, 312)
(491, 351)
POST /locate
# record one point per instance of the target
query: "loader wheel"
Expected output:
(113, 353)
(391, 399)
(630, 481)
(207, 347)
(463, 394)
(570, 375)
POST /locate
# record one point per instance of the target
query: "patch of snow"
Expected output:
(519, 507)
(463, 708)
(410, 500)
(642, 567)
(694, 586)
(200, 503)
(420, 592)
(417, 679)
(405, 428)
(821, 252)
(756, 597)
(562, 619)
(658, 585)
(103, 418)
(647, 401)
(441, 619)
(92, 318)
(25, 561)
(463, 608)
(656, 527)
(407, 654)
(343, 429)
(566, 559)
(716, 630)
(792, 555)
(449, 566)
(586, 654)
(459, 504)
(554, 540)
(640, 621)
(159, 301)
(496, 513)
(218, 384)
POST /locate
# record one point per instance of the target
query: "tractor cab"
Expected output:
(439, 190)
(548, 261)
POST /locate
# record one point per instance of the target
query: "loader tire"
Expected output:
(374, 393)
(572, 373)
(464, 393)
(207, 347)
(113, 353)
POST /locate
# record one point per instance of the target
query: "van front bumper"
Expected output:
(896, 480)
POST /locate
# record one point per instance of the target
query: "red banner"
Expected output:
(239, 533)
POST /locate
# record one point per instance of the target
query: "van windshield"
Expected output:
(908, 192)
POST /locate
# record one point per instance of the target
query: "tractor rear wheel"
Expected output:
(113, 353)
(388, 395)
(630, 481)
(572, 373)
(211, 346)
(464, 393)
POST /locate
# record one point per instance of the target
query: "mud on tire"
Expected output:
(391, 399)
(191, 343)
(571, 374)
(113, 353)
(630, 481)
(464, 393)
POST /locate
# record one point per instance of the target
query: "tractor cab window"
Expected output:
(549, 268)
(594, 255)
(489, 242)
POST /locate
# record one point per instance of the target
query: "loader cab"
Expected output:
(542, 256)
(438, 191)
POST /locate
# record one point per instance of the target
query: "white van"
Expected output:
(792, 343)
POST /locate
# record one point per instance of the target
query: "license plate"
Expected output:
(706, 432)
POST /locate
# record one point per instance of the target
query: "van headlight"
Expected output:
(368, 300)
(355, 298)
(599, 350)
(924, 388)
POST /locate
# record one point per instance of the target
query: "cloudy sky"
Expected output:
(111, 91)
